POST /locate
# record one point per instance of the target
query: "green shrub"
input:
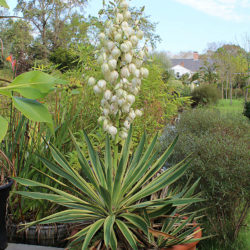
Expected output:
(247, 110)
(205, 94)
(220, 147)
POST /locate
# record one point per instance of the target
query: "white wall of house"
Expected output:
(180, 71)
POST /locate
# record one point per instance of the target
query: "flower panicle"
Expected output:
(121, 62)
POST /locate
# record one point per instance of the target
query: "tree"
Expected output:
(47, 18)
(17, 40)
(230, 61)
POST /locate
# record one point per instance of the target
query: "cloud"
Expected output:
(226, 9)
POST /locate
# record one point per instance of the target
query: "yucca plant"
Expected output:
(116, 201)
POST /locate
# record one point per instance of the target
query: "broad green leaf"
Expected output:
(95, 163)
(113, 240)
(91, 232)
(136, 220)
(34, 84)
(3, 128)
(32, 109)
(4, 4)
(127, 234)
(108, 163)
(108, 227)
(122, 167)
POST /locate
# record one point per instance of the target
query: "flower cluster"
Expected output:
(121, 63)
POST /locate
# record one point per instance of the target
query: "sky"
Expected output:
(190, 25)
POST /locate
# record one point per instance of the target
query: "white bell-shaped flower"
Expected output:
(134, 40)
(125, 72)
(121, 101)
(110, 45)
(106, 112)
(144, 72)
(105, 68)
(118, 37)
(91, 81)
(97, 90)
(114, 76)
(101, 36)
(102, 84)
(126, 124)
(140, 34)
(116, 52)
(132, 68)
(112, 130)
(125, 108)
(107, 94)
(138, 112)
(125, 48)
(123, 134)
(119, 18)
(128, 58)
(130, 99)
(127, 15)
(132, 114)
(112, 64)
(123, 4)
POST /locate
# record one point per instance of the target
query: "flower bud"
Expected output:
(101, 36)
(121, 102)
(123, 134)
(140, 34)
(138, 112)
(144, 72)
(91, 81)
(110, 45)
(126, 108)
(119, 18)
(112, 64)
(116, 52)
(97, 90)
(134, 40)
(124, 25)
(113, 76)
(114, 98)
(125, 72)
(105, 68)
(127, 15)
(123, 4)
(125, 48)
(141, 54)
(112, 130)
(128, 58)
(106, 112)
(131, 99)
(107, 94)
(132, 68)
(102, 84)
(132, 114)
(127, 124)
(118, 37)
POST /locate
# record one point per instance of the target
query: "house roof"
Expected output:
(191, 64)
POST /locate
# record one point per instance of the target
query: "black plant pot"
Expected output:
(4, 194)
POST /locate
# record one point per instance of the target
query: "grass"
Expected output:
(225, 107)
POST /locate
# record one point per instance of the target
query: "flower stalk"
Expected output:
(121, 60)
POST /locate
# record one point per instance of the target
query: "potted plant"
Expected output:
(114, 194)
(6, 168)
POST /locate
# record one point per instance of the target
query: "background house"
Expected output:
(186, 66)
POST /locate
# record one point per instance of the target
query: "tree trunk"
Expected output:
(231, 91)
(246, 93)
(226, 87)
(222, 89)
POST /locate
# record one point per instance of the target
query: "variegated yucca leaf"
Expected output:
(117, 199)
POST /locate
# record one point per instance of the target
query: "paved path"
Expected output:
(12, 246)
